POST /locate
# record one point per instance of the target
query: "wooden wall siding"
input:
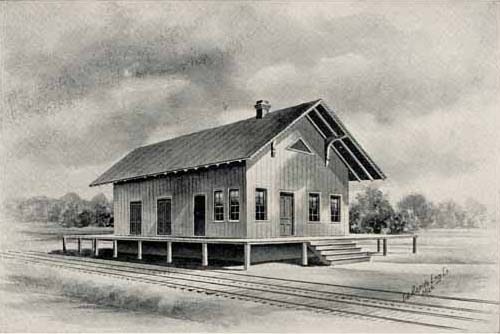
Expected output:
(181, 188)
(299, 173)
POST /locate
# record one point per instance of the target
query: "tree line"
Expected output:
(372, 212)
(69, 211)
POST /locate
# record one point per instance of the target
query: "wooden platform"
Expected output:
(327, 249)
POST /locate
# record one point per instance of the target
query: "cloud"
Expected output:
(81, 92)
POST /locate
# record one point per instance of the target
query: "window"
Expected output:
(218, 205)
(260, 204)
(335, 208)
(314, 207)
(234, 204)
(164, 216)
(135, 217)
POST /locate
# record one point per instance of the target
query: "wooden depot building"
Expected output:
(278, 182)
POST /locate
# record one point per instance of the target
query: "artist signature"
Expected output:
(427, 286)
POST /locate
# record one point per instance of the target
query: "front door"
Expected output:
(199, 215)
(286, 214)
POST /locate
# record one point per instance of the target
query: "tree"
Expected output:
(449, 214)
(85, 218)
(55, 210)
(372, 212)
(476, 214)
(69, 215)
(101, 209)
(416, 207)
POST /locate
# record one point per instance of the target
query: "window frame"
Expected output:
(223, 205)
(266, 204)
(339, 196)
(130, 216)
(171, 213)
(308, 207)
(229, 204)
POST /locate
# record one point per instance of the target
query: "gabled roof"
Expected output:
(228, 143)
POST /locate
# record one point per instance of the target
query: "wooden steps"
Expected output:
(339, 251)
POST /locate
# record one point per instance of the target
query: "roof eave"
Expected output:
(172, 171)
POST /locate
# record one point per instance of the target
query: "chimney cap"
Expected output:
(262, 108)
(262, 102)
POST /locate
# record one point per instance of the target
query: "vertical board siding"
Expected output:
(299, 173)
(181, 188)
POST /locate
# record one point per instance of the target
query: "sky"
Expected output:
(84, 83)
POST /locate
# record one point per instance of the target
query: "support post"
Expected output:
(92, 247)
(414, 244)
(248, 250)
(64, 244)
(139, 249)
(79, 244)
(115, 248)
(378, 245)
(304, 254)
(384, 246)
(204, 254)
(96, 248)
(169, 251)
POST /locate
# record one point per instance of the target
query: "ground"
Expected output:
(39, 299)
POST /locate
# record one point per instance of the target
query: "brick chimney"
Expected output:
(262, 108)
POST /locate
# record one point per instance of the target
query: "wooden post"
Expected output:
(248, 250)
(79, 246)
(92, 247)
(414, 244)
(96, 248)
(64, 244)
(169, 251)
(378, 245)
(304, 254)
(384, 246)
(139, 249)
(204, 254)
(115, 248)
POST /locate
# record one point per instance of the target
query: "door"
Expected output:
(286, 214)
(135, 218)
(164, 216)
(199, 215)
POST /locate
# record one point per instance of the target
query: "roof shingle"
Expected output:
(235, 141)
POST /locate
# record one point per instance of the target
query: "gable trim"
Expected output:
(285, 129)
(356, 144)
(346, 136)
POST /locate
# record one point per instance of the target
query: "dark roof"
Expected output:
(231, 142)
(240, 141)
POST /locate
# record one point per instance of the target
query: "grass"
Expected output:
(38, 298)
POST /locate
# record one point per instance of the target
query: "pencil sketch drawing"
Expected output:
(249, 166)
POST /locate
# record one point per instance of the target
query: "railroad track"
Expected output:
(322, 298)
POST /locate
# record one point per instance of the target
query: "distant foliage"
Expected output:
(70, 210)
(417, 208)
(372, 212)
